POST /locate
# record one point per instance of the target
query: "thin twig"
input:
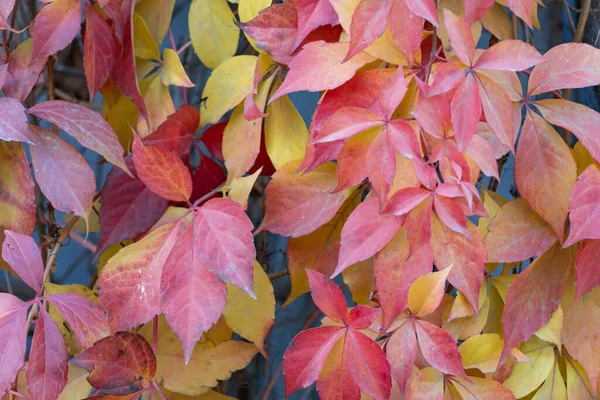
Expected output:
(185, 46)
(277, 275)
(585, 13)
(85, 243)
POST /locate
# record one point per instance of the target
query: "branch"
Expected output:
(585, 13)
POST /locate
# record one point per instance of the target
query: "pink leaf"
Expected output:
(381, 166)
(401, 352)
(360, 317)
(13, 339)
(450, 213)
(23, 255)
(465, 110)
(347, 122)
(335, 381)
(476, 9)
(47, 367)
(311, 15)
(407, 29)
(402, 138)
(55, 27)
(405, 200)
(439, 349)
(367, 364)
(128, 209)
(224, 242)
(480, 151)
(23, 71)
(62, 173)
(433, 113)
(327, 296)
(446, 78)
(587, 274)
(509, 55)
(99, 50)
(499, 111)
(305, 356)
(522, 9)
(86, 126)
(13, 122)
(392, 94)
(425, 9)
(193, 298)
(85, 318)
(369, 21)
(583, 206)
(461, 38)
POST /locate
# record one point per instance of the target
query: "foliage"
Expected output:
(459, 292)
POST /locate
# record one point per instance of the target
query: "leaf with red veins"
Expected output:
(425, 9)
(499, 111)
(569, 65)
(327, 296)
(305, 356)
(224, 242)
(84, 125)
(125, 352)
(298, 204)
(447, 77)
(369, 21)
(401, 352)
(582, 121)
(404, 200)
(87, 320)
(99, 50)
(451, 214)
(274, 29)
(335, 381)
(517, 233)
(47, 367)
(367, 364)
(360, 317)
(465, 110)
(439, 349)
(365, 233)
(584, 207)
(545, 171)
(13, 339)
(587, 274)
(433, 114)
(522, 9)
(403, 139)
(480, 151)
(461, 38)
(23, 255)
(407, 29)
(467, 258)
(311, 15)
(509, 55)
(62, 173)
(544, 280)
(130, 281)
(177, 132)
(129, 208)
(13, 122)
(162, 171)
(193, 297)
(347, 122)
(476, 9)
(319, 66)
(55, 27)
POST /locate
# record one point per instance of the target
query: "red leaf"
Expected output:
(327, 296)
(298, 204)
(583, 206)
(587, 276)
(392, 94)
(86, 126)
(177, 132)
(311, 15)
(439, 349)
(162, 171)
(127, 353)
(407, 29)
(13, 339)
(193, 298)
(360, 317)
(305, 356)
(208, 176)
(318, 66)
(13, 123)
(381, 166)
(402, 139)
(62, 173)
(86, 319)
(369, 21)
(367, 364)
(461, 38)
(404, 200)
(99, 50)
(335, 381)
(569, 65)
(450, 213)
(55, 27)
(476, 9)
(544, 280)
(465, 111)
(224, 242)
(425, 9)
(130, 281)
(401, 352)
(509, 55)
(522, 9)
(347, 122)
(22, 254)
(23, 71)
(213, 139)
(47, 366)
(446, 78)
(433, 113)
(128, 209)
(365, 233)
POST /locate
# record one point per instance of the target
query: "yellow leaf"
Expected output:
(209, 395)
(93, 220)
(405, 175)
(228, 84)
(171, 215)
(248, 9)
(240, 188)
(360, 278)
(578, 384)
(251, 318)
(121, 117)
(285, 132)
(526, 377)
(494, 320)
(158, 102)
(582, 157)
(77, 386)
(213, 31)
(425, 294)
(385, 49)
(219, 332)
(172, 72)
(502, 283)
(554, 387)
(492, 203)
(17, 199)
(464, 328)
(482, 352)
(144, 45)
(157, 16)
(551, 332)
(461, 307)
(497, 22)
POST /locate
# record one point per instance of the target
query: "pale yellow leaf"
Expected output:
(248, 9)
(172, 72)
(360, 279)
(121, 117)
(526, 377)
(482, 352)
(158, 101)
(464, 328)
(582, 157)
(578, 384)
(93, 220)
(157, 15)
(425, 294)
(551, 332)
(77, 387)
(219, 332)
(241, 187)
(144, 45)
(554, 387)
(502, 283)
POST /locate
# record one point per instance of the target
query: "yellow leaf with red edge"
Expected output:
(251, 318)
(425, 294)
(17, 202)
(157, 16)
(226, 87)
(240, 188)
(158, 102)
(552, 331)
(528, 376)
(145, 46)
(172, 72)
(360, 279)
(428, 384)
(285, 132)
(213, 31)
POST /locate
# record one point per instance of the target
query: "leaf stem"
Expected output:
(17, 394)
